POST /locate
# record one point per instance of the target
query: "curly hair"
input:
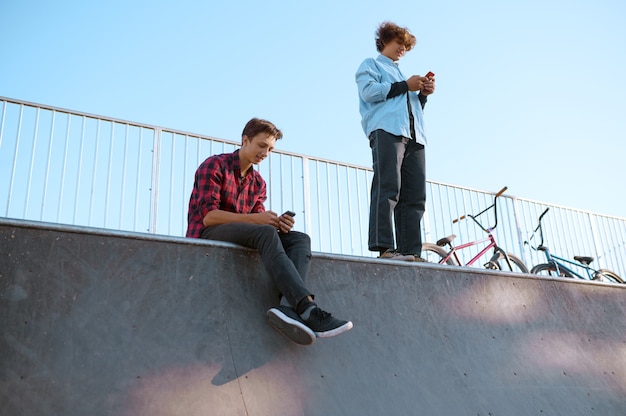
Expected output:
(388, 31)
(257, 125)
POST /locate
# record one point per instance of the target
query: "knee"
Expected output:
(301, 238)
(267, 232)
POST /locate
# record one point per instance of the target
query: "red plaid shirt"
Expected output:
(218, 185)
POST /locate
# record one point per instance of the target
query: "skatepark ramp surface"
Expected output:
(110, 323)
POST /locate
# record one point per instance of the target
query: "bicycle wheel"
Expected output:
(516, 264)
(546, 269)
(432, 253)
(604, 275)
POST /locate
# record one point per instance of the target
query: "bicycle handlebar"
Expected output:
(545, 211)
(502, 191)
(494, 206)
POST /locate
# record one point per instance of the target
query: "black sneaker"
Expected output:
(324, 325)
(286, 321)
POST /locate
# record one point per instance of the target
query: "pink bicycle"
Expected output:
(499, 260)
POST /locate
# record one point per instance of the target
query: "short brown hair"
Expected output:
(388, 31)
(257, 125)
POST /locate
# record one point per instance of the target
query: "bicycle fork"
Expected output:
(492, 264)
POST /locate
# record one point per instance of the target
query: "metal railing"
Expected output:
(69, 167)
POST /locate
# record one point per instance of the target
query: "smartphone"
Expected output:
(290, 213)
(430, 74)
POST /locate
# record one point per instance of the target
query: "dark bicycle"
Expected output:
(561, 267)
(499, 260)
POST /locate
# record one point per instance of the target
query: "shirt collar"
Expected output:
(387, 59)
(237, 166)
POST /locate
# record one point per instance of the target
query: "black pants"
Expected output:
(398, 193)
(286, 256)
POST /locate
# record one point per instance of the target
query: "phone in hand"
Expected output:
(289, 213)
(430, 74)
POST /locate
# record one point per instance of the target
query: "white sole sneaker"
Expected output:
(336, 331)
(286, 321)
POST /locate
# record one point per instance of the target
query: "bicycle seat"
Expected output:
(446, 240)
(584, 259)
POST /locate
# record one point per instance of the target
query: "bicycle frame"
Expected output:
(557, 262)
(454, 249)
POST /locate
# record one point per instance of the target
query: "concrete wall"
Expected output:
(102, 323)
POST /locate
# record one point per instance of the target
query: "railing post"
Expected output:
(156, 157)
(518, 229)
(594, 237)
(14, 165)
(306, 180)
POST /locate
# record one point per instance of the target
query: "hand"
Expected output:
(416, 82)
(428, 86)
(268, 218)
(285, 223)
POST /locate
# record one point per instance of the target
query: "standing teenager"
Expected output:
(391, 116)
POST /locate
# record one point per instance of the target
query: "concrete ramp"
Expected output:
(105, 323)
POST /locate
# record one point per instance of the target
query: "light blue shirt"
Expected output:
(374, 78)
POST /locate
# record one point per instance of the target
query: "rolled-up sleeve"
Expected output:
(372, 88)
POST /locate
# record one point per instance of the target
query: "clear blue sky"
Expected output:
(530, 94)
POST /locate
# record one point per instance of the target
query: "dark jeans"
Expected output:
(398, 188)
(286, 256)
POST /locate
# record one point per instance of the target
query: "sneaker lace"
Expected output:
(321, 314)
